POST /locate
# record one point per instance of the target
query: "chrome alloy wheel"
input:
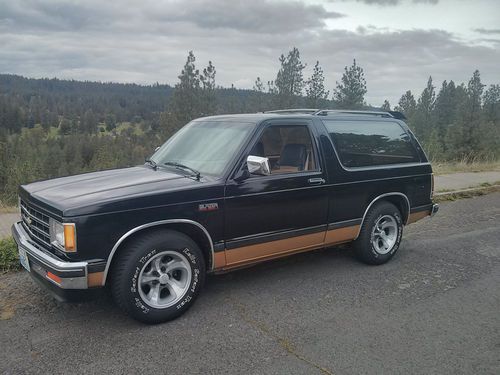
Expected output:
(384, 234)
(164, 279)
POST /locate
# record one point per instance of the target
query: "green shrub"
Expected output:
(9, 260)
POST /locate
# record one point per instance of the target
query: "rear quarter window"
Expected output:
(371, 143)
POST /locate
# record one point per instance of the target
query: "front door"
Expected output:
(284, 212)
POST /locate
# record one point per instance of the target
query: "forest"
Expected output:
(52, 127)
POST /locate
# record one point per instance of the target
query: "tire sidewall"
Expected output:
(136, 305)
(397, 216)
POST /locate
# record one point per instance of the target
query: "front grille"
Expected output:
(36, 222)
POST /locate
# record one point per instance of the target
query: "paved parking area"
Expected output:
(434, 309)
(457, 181)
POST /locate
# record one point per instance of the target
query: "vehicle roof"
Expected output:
(306, 114)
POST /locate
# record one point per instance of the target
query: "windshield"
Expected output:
(205, 146)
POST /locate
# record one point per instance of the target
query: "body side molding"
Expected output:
(153, 224)
(383, 196)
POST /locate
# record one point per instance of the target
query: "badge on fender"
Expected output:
(208, 207)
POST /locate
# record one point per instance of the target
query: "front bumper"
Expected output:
(63, 274)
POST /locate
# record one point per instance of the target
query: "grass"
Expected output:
(9, 260)
(6, 209)
(462, 166)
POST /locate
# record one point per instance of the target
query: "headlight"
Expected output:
(63, 235)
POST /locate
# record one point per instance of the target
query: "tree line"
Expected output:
(51, 127)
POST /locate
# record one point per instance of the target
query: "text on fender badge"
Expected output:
(208, 207)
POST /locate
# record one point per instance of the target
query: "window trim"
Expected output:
(285, 122)
(377, 166)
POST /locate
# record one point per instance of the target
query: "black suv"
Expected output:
(223, 193)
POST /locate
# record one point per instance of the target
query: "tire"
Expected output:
(158, 276)
(377, 245)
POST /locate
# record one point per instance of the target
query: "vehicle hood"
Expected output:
(102, 191)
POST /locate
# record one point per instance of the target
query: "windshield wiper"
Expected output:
(196, 173)
(152, 164)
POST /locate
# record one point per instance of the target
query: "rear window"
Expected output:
(370, 143)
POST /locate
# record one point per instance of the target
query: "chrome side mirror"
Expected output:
(258, 165)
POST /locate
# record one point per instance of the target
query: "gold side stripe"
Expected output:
(219, 259)
(264, 250)
(245, 255)
(416, 216)
(95, 279)
(344, 234)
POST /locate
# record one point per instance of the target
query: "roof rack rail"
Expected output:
(326, 112)
(397, 115)
(309, 111)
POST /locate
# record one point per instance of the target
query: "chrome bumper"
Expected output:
(69, 275)
(435, 209)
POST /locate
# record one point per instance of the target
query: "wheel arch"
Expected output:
(400, 200)
(191, 228)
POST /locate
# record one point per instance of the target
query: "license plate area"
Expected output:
(23, 258)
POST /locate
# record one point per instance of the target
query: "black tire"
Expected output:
(137, 256)
(364, 247)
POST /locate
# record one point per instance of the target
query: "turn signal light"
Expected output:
(53, 277)
(69, 237)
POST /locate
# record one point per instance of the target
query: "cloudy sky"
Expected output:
(399, 43)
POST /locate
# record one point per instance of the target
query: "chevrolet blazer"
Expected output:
(225, 192)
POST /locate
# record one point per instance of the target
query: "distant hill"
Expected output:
(25, 102)
(28, 101)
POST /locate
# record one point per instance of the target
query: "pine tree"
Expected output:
(289, 80)
(491, 103)
(386, 106)
(258, 85)
(473, 132)
(185, 103)
(407, 105)
(445, 111)
(350, 92)
(491, 123)
(315, 87)
(209, 100)
(425, 106)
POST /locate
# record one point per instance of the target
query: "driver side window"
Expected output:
(289, 149)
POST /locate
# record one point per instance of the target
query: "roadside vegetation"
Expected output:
(9, 260)
(51, 127)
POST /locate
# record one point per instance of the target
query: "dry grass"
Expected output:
(8, 209)
(462, 166)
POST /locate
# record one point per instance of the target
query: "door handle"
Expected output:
(316, 181)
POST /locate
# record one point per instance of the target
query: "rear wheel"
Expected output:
(158, 276)
(380, 234)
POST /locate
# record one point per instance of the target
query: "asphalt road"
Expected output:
(434, 309)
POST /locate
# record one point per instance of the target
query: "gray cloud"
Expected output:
(147, 43)
(391, 2)
(259, 16)
(252, 16)
(487, 31)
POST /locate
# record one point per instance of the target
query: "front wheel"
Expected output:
(158, 276)
(380, 234)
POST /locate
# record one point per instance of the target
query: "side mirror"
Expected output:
(258, 165)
